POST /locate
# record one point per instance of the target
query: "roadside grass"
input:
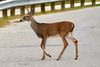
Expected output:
(4, 21)
(86, 1)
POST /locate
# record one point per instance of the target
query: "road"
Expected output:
(19, 45)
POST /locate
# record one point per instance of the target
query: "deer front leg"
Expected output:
(65, 46)
(43, 48)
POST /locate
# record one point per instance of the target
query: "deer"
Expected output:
(45, 30)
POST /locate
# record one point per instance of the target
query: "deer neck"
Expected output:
(34, 24)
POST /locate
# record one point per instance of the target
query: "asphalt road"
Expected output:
(19, 45)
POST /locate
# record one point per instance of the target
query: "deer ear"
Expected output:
(29, 12)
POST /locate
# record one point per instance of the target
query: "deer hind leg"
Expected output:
(43, 48)
(76, 46)
(65, 46)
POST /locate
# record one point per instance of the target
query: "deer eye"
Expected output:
(26, 16)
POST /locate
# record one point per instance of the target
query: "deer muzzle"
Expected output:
(21, 20)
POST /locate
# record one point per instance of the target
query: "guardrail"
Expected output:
(21, 4)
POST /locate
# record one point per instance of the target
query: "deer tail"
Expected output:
(72, 28)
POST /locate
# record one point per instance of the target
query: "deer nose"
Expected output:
(21, 20)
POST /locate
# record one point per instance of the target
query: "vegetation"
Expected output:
(86, 0)
(4, 21)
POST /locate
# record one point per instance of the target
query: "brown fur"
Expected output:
(54, 28)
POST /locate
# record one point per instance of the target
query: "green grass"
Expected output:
(86, 0)
(3, 21)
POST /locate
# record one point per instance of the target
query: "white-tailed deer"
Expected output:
(45, 30)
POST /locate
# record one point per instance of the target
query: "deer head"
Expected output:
(27, 17)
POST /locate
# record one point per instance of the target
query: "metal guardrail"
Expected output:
(16, 3)
(13, 4)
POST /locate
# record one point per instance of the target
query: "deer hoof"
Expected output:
(49, 55)
(58, 59)
(42, 59)
(75, 58)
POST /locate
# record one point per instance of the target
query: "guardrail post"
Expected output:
(33, 9)
(12, 11)
(43, 7)
(4, 12)
(72, 3)
(62, 5)
(82, 3)
(93, 2)
(52, 6)
(22, 10)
